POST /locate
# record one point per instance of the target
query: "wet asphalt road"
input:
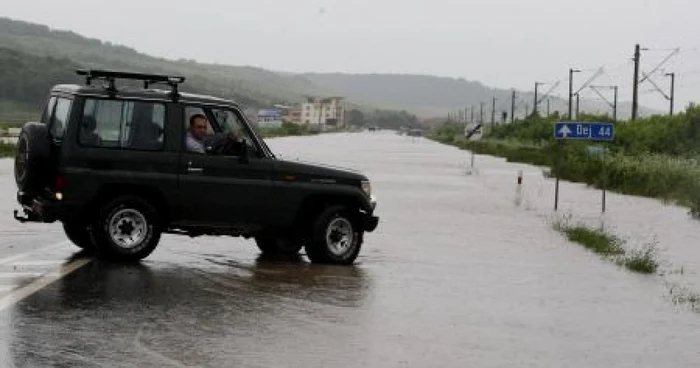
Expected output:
(458, 274)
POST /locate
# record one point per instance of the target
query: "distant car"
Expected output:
(112, 165)
(415, 133)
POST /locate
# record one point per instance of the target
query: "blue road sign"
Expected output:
(584, 131)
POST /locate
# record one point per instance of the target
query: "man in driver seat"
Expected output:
(198, 141)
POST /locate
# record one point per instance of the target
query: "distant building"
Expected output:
(293, 115)
(270, 118)
(323, 111)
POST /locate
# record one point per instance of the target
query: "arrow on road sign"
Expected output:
(565, 131)
(584, 131)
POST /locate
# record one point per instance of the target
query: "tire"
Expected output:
(120, 221)
(32, 160)
(334, 238)
(78, 233)
(278, 245)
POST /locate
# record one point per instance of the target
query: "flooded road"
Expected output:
(458, 274)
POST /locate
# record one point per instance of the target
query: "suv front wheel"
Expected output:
(126, 229)
(335, 237)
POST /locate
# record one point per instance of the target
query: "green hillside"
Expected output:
(250, 86)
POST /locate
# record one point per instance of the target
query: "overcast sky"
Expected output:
(502, 43)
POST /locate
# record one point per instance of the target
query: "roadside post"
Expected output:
(601, 132)
(468, 133)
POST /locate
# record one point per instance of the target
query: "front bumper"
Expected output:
(369, 221)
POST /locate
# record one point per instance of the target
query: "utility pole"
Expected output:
(493, 112)
(577, 104)
(571, 90)
(548, 107)
(472, 118)
(481, 113)
(635, 85)
(615, 104)
(534, 109)
(512, 108)
(673, 88)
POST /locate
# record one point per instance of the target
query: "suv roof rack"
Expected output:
(148, 79)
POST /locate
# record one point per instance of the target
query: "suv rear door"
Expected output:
(118, 143)
(218, 190)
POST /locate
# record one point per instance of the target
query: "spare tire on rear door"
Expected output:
(32, 160)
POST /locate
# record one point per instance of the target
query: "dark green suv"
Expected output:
(112, 164)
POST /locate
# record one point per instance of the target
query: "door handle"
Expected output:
(191, 169)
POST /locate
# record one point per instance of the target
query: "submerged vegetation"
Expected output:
(656, 157)
(611, 247)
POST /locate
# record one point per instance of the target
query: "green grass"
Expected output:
(594, 239)
(7, 149)
(611, 247)
(12, 124)
(641, 260)
(656, 157)
(15, 114)
(672, 179)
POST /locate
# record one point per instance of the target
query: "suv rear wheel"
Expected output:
(335, 238)
(126, 229)
(78, 232)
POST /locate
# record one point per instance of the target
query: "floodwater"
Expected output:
(463, 271)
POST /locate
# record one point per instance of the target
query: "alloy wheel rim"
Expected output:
(339, 236)
(128, 228)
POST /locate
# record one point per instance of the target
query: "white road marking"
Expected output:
(5, 288)
(18, 274)
(38, 250)
(52, 262)
(40, 283)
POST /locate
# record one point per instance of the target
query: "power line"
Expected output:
(591, 79)
(666, 59)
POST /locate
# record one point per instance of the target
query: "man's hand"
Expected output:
(233, 137)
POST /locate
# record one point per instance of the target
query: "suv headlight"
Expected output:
(367, 187)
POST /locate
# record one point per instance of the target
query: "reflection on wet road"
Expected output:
(457, 275)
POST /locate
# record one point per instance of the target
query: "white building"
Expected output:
(323, 111)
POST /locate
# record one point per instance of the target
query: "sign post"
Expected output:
(605, 177)
(604, 132)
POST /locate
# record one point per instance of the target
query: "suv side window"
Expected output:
(48, 113)
(136, 125)
(60, 118)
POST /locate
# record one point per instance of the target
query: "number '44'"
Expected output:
(604, 132)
